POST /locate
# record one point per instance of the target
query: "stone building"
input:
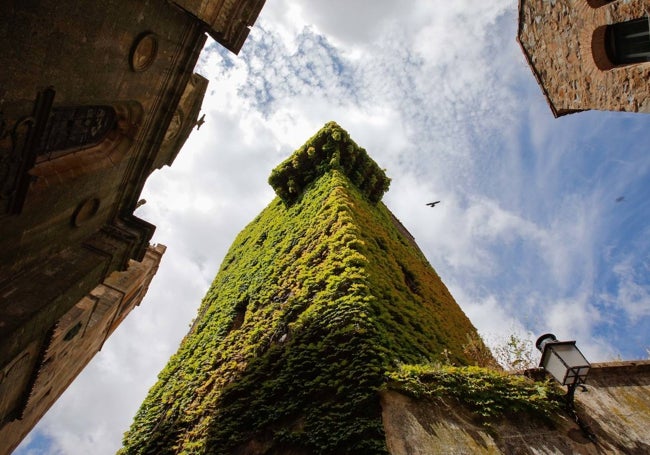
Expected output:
(70, 345)
(321, 294)
(94, 96)
(588, 54)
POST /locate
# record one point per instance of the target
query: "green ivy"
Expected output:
(489, 393)
(315, 301)
(331, 148)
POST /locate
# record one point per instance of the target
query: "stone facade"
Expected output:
(93, 98)
(564, 42)
(615, 405)
(71, 344)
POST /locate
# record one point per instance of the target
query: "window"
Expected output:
(628, 42)
(599, 3)
(70, 128)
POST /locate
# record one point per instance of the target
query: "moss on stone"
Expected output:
(330, 148)
(316, 300)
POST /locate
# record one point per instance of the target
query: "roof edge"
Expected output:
(330, 148)
(531, 65)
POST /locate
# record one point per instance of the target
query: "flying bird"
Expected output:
(620, 198)
(433, 204)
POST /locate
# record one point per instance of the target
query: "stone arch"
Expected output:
(599, 50)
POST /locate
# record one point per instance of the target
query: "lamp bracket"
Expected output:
(570, 408)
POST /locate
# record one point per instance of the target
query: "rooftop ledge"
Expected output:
(330, 148)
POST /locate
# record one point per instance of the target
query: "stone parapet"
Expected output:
(615, 405)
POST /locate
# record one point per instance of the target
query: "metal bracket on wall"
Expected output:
(19, 156)
(586, 431)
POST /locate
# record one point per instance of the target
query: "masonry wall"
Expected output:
(616, 406)
(564, 43)
(75, 340)
(94, 96)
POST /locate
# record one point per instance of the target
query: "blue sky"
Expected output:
(528, 237)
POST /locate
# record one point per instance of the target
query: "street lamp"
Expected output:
(564, 361)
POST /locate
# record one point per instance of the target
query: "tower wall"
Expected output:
(317, 299)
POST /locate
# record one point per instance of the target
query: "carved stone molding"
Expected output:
(175, 125)
(107, 153)
(143, 52)
(85, 211)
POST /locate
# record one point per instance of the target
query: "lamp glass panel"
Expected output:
(554, 365)
(570, 354)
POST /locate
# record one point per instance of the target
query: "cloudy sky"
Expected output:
(529, 236)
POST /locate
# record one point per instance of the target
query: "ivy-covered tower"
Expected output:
(318, 298)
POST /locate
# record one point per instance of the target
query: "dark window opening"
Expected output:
(72, 332)
(70, 128)
(628, 42)
(599, 3)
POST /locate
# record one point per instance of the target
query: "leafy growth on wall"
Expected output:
(313, 304)
(487, 392)
(330, 148)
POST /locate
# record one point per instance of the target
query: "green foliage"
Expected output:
(330, 148)
(489, 393)
(313, 303)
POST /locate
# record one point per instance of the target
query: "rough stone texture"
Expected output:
(228, 21)
(616, 406)
(66, 212)
(77, 336)
(563, 41)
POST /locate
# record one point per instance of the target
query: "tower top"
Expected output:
(330, 148)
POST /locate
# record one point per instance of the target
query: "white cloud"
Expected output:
(438, 94)
(633, 293)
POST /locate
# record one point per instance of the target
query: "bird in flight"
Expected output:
(433, 204)
(620, 198)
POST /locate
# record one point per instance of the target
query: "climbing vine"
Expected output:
(315, 301)
(330, 148)
(489, 393)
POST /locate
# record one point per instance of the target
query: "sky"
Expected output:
(529, 236)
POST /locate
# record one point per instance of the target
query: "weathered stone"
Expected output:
(564, 43)
(72, 343)
(615, 405)
(94, 96)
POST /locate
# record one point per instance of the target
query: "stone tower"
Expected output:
(321, 295)
(588, 54)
